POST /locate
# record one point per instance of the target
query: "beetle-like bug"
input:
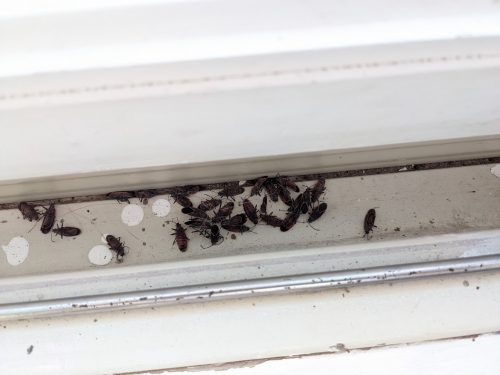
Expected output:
(263, 205)
(144, 195)
(271, 189)
(196, 212)
(231, 189)
(117, 246)
(238, 228)
(317, 189)
(317, 212)
(66, 231)
(49, 217)
(257, 187)
(250, 211)
(180, 237)
(369, 221)
(224, 212)
(28, 211)
(289, 221)
(183, 200)
(209, 204)
(271, 220)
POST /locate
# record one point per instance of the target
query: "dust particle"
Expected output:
(30, 349)
(466, 283)
(233, 236)
(397, 229)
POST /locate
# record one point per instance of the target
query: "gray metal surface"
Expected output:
(248, 288)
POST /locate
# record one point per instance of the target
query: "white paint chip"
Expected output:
(161, 207)
(100, 255)
(496, 170)
(16, 251)
(132, 214)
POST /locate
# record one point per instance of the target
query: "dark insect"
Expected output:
(215, 236)
(291, 185)
(257, 187)
(299, 205)
(306, 200)
(196, 212)
(235, 228)
(369, 222)
(224, 211)
(49, 217)
(144, 195)
(263, 205)
(29, 211)
(284, 195)
(121, 196)
(66, 231)
(317, 212)
(180, 237)
(271, 189)
(231, 189)
(200, 224)
(251, 211)
(183, 200)
(209, 204)
(289, 221)
(271, 220)
(317, 189)
(117, 246)
(236, 220)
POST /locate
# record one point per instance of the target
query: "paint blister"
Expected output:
(132, 215)
(161, 207)
(16, 251)
(100, 255)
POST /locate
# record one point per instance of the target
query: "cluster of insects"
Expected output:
(32, 212)
(217, 212)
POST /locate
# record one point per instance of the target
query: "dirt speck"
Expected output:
(95, 320)
(233, 236)
(143, 229)
(3, 221)
(29, 350)
(144, 244)
(477, 288)
(466, 283)
(431, 221)
(397, 229)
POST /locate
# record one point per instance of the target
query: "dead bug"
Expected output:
(306, 200)
(235, 228)
(250, 211)
(117, 246)
(231, 189)
(180, 237)
(196, 212)
(248, 183)
(66, 231)
(144, 195)
(263, 205)
(29, 211)
(298, 205)
(271, 220)
(198, 223)
(289, 221)
(215, 236)
(317, 189)
(257, 187)
(271, 189)
(121, 196)
(224, 211)
(291, 185)
(317, 212)
(209, 204)
(49, 217)
(183, 200)
(237, 220)
(284, 195)
(369, 221)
